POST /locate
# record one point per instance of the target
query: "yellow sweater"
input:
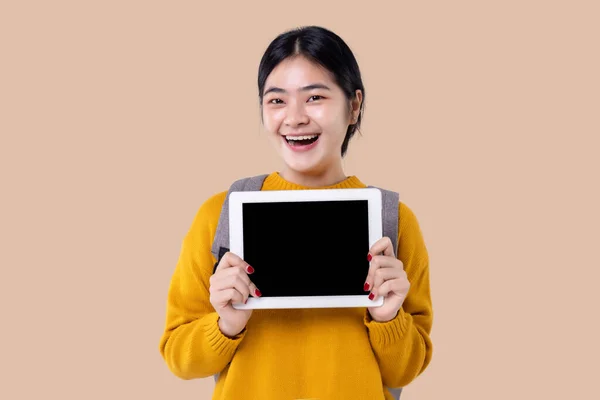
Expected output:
(325, 354)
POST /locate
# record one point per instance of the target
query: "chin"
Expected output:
(305, 167)
(302, 167)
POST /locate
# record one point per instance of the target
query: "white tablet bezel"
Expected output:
(236, 201)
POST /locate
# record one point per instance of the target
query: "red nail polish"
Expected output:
(246, 302)
(258, 293)
(366, 286)
(371, 296)
(369, 257)
(250, 269)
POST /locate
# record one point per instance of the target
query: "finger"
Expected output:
(230, 259)
(376, 263)
(218, 280)
(222, 298)
(234, 278)
(237, 271)
(399, 285)
(382, 246)
(385, 274)
(241, 286)
(254, 291)
(237, 281)
(251, 287)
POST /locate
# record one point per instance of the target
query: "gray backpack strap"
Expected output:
(221, 241)
(395, 392)
(389, 203)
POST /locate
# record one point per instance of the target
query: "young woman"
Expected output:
(311, 96)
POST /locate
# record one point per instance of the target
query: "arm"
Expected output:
(403, 346)
(192, 344)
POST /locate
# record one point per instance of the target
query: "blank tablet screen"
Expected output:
(314, 248)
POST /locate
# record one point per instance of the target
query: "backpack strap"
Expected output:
(389, 203)
(221, 241)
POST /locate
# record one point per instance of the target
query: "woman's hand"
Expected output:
(230, 285)
(386, 278)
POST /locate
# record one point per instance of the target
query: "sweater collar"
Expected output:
(276, 182)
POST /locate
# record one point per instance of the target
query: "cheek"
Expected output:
(319, 115)
(272, 120)
(331, 120)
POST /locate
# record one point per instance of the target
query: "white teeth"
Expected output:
(301, 137)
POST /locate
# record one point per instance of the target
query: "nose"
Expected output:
(296, 115)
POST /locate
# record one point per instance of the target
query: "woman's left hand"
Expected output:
(386, 278)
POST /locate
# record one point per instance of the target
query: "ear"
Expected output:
(355, 104)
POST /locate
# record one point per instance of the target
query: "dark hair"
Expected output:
(327, 49)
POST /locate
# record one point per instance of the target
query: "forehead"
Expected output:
(295, 72)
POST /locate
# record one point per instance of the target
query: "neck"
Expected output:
(325, 177)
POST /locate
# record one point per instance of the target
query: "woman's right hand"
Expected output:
(230, 285)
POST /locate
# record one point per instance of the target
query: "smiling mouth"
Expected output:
(301, 140)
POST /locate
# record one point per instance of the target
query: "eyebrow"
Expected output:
(302, 89)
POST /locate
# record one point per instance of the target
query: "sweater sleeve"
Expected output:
(192, 344)
(403, 346)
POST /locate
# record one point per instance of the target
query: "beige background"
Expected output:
(118, 118)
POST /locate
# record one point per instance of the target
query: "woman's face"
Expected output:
(307, 114)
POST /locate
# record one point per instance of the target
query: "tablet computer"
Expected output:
(308, 247)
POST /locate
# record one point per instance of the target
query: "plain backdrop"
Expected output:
(119, 118)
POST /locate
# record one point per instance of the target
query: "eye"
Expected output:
(275, 101)
(315, 97)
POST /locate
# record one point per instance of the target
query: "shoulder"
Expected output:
(207, 215)
(408, 222)
(213, 203)
(407, 219)
(209, 211)
(411, 242)
(406, 216)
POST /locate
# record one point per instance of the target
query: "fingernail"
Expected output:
(250, 270)
(371, 296)
(367, 286)
(246, 302)
(258, 293)
(369, 257)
